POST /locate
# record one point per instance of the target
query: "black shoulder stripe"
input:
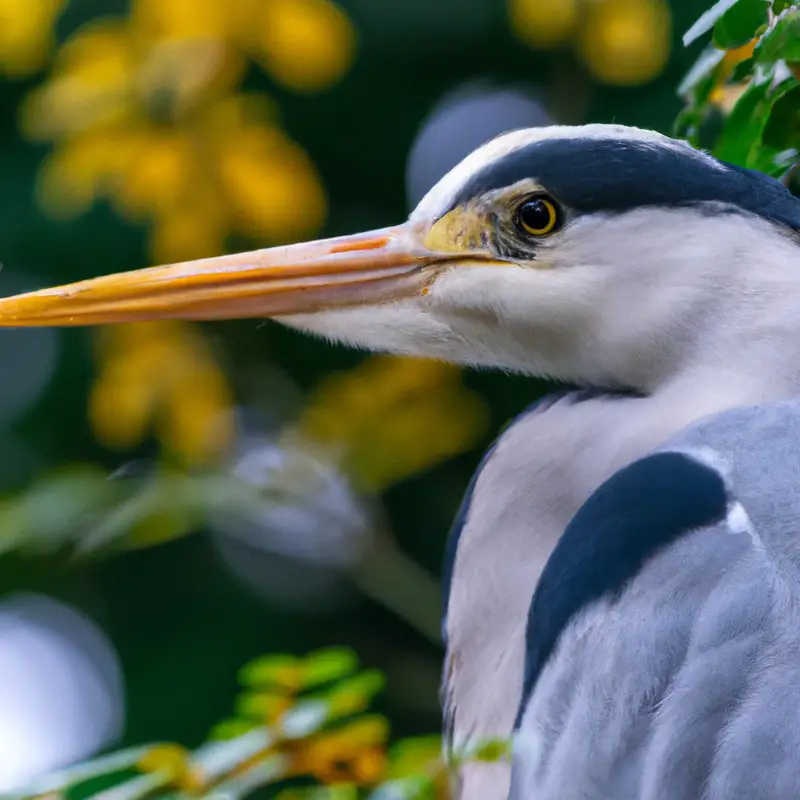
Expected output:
(632, 516)
(596, 175)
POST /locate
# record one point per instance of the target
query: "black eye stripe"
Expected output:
(607, 175)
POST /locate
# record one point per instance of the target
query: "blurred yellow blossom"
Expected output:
(354, 753)
(174, 762)
(271, 186)
(26, 34)
(626, 42)
(392, 417)
(198, 19)
(161, 376)
(145, 111)
(305, 44)
(543, 23)
(218, 165)
(621, 42)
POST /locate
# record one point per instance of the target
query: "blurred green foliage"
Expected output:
(742, 93)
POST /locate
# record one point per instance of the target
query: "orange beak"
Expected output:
(365, 268)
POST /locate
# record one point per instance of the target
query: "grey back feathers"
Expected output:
(677, 676)
(640, 510)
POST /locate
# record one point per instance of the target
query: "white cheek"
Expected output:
(405, 327)
(497, 315)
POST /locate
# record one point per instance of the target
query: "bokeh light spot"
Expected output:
(60, 688)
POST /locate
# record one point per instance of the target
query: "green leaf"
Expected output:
(328, 665)
(744, 125)
(785, 159)
(791, 179)
(707, 21)
(417, 787)
(231, 729)
(685, 124)
(741, 24)
(712, 123)
(352, 695)
(771, 161)
(743, 70)
(60, 506)
(782, 43)
(492, 750)
(779, 6)
(782, 127)
(700, 127)
(274, 670)
(701, 77)
(414, 756)
(260, 706)
(366, 684)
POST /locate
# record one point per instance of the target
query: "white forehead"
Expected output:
(440, 197)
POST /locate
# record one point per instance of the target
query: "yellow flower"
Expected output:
(271, 186)
(543, 23)
(144, 114)
(354, 753)
(626, 42)
(91, 83)
(26, 34)
(305, 44)
(161, 375)
(162, 19)
(393, 417)
(84, 168)
(195, 228)
(174, 761)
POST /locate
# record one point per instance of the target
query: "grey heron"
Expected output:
(594, 601)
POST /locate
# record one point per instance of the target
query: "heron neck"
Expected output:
(729, 316)
(543, 468)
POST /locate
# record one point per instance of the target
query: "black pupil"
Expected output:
(535, 215)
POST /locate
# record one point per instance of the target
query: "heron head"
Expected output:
(591, 254)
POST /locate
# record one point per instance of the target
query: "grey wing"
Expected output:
(672, 669)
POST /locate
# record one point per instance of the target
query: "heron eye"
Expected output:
(538, 216)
